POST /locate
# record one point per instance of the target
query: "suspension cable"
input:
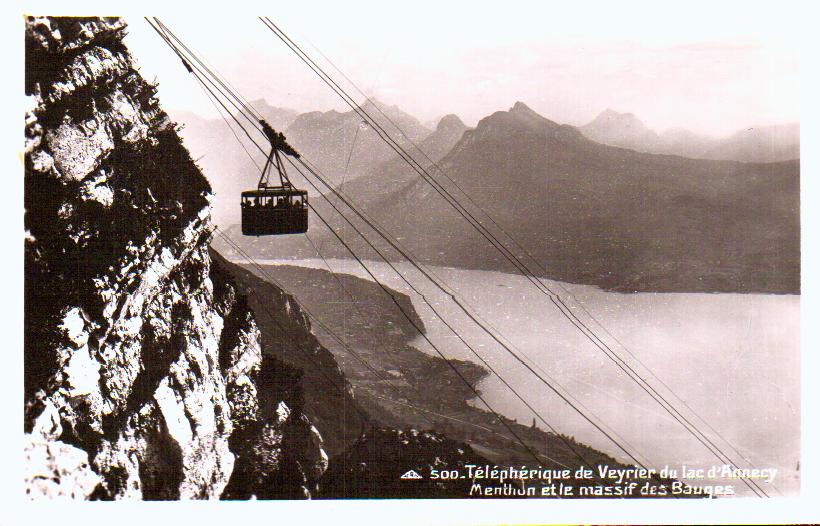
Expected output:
(566, 312)
(331, 228)
(470, 315)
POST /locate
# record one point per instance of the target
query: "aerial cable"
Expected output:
(313, 317)
(218, 88)
(436, 349)
(435, 311)
(192, 62)
(472, 316)
(277, 140)
(228, 124)
(238, 98)
(350, 155)
(473, 221)
(392, 297)
(199, 75)
(374, 225)
(421, 332)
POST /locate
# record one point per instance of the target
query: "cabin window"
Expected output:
(275, 202)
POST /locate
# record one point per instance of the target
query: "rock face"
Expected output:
(55, 469)
(143, 364)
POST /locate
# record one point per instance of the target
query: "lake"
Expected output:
(729, 363)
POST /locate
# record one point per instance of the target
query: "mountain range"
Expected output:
(343, 146)
(754, 144)
(587, 212)
(339, 144)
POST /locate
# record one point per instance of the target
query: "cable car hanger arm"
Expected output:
(278, 144)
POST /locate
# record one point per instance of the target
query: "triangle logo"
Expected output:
(411, 475)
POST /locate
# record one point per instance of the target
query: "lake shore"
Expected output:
(731, 358)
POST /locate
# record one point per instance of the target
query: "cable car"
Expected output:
(275, 210)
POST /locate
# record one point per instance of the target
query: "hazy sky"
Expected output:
(712, 74)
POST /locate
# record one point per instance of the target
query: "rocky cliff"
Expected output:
(144, 373)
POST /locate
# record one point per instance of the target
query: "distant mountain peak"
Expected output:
(611, 116)
(519, 116)
(620, 129)
(262, 103)
(525, 114)
(610, 111)
(520, 107)
(450, 122)
(373, 102)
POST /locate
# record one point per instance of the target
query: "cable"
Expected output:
(250, 110)
(227, 123)
(215, 100)
(505, 252)
(466, 344)
(421, 332)
(349, 156)
(374, 226)
(196, 71)
(365, 267)
(305, 352)
(452, 329)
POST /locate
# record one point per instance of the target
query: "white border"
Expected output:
(699, 17)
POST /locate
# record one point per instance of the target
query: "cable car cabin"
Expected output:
(274, 211)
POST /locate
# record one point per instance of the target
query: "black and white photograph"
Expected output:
(528, 254)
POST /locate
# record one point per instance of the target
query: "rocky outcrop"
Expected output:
(56, 470)
(326, 395)
(143, 363)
